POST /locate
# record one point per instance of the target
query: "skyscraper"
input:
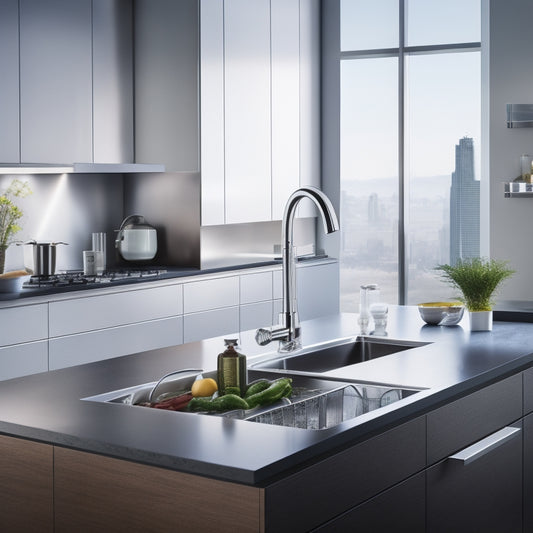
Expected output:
(464, 204)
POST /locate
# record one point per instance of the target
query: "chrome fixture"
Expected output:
(288, 331)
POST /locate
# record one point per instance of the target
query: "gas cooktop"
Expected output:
(76, 278)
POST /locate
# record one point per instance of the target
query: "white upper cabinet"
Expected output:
(55, 81)
(285, 102)
(9, 88)
(255, 59)
(247, 110)
(166, 83)
(212, 111)
(112, 81)
(67, 85)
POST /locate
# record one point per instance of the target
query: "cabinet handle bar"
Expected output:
(480, 448)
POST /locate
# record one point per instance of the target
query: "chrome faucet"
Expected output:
(288, 331)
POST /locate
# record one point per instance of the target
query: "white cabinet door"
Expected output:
(23, 359)
(112, 81)
(197, 326)
(9, 88)
(285, 102)
(108, 310)
(166, 83)
(256, 315)
(247, 110)
(210, 294)
(256, 287)
(55, 81)
(114, 342)
(23, 324)
(310, 161)
(212, 110)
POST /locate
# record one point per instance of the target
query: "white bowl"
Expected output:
(12, 283)
(441, 313)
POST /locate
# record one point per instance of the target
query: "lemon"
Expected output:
(204, 387)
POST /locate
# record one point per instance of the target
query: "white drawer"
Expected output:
(110, 310)
(210, 294)
(23, 324)
(256, 315)
(198, 326)
(23, 359)
(115, 342)
(256, 287)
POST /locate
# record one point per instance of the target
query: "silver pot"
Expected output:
(44, 257)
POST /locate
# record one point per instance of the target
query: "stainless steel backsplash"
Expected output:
(69, 207)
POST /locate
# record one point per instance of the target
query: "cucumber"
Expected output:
(258, 386)
(278, 389)
(228, 402)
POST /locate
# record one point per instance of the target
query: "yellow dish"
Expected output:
(441, 313)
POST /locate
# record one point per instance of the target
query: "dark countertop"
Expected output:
(171, 273)
(47, 407)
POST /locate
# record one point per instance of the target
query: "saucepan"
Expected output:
(44, 257)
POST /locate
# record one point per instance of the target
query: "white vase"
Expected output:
(480, 320)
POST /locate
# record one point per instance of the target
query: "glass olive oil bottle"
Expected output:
(231, 375)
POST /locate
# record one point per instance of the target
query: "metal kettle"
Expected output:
(136, 239)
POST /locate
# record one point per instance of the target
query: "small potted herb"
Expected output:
(477, 279)
(10, 214)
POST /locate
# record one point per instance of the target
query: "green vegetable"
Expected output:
(233, 390)
(278, 389)
(258, 386)
(227, 402)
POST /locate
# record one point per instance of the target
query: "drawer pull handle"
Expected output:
(485, 445)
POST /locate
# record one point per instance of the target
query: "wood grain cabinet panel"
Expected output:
(26, 487)
(96, 493)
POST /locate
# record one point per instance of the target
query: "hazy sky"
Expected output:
(442, 90)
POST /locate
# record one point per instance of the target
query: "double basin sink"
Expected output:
(318, 401)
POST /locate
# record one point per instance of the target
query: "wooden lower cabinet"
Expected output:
(97, 493)
(26, 486)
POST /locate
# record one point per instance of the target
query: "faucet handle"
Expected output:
(263, 336)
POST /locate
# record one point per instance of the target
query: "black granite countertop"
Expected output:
(168, 273)
(48, 407)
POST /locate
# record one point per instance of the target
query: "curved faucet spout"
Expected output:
(288, 332)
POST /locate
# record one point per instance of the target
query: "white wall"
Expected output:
(511, 81)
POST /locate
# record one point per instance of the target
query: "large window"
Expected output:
(410, 144)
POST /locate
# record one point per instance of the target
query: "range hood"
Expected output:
(80, 168)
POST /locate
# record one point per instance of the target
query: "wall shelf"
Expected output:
(518, 189)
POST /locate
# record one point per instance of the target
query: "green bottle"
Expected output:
(231, 374)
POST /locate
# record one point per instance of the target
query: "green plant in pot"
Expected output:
(478, 279)
(10, 214)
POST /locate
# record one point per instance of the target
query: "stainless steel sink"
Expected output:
(344, 352)
(316, 403)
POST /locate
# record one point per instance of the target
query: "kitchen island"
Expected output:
(263, 477)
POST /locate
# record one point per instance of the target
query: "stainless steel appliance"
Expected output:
(76, 278)
(136, 239)
(44, 257)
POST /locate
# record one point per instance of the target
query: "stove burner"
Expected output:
(73, 278)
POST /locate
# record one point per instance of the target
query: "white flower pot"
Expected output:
(480, 320)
